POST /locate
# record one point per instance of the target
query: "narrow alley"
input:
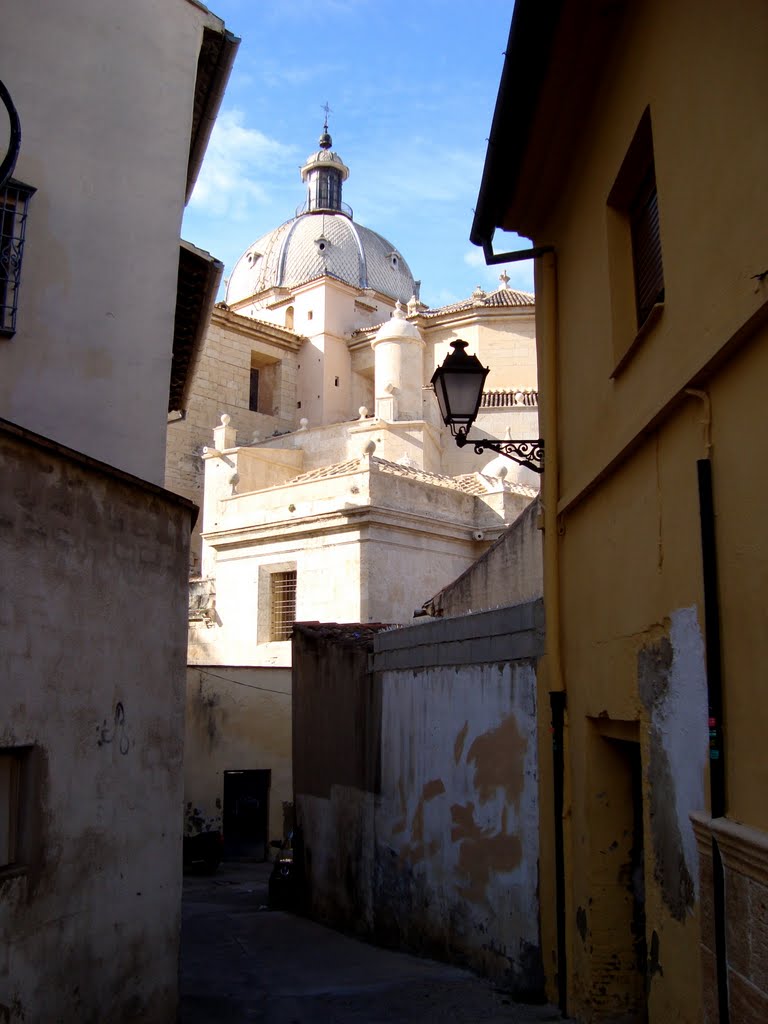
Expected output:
(242, 963)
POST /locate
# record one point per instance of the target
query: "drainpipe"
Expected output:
(546, 338)
(712, 634)
(713, 638)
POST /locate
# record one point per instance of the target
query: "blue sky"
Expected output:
(411, 86)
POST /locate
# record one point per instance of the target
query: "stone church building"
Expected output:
(330, 488)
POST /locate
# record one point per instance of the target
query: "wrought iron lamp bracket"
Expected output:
(527, 453)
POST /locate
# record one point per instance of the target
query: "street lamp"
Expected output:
(458, 385)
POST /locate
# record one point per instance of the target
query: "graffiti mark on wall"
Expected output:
(116, 731)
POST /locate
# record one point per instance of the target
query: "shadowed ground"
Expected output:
(242, 963)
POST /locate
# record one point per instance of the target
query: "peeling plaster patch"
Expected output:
(672, 686)
(687, 707)
(481, 853)
(435, 787)
(499, 757)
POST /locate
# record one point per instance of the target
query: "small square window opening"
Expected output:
(10, 778)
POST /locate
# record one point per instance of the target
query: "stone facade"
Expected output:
(314, 438)
(510, 572)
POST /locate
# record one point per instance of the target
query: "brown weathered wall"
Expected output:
(334, 696)
(93, 639)
(416, 788)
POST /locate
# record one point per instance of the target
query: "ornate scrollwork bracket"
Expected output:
(527, 453)
(8, 163)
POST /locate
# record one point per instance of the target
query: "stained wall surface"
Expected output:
(428, 837)
(93, 634)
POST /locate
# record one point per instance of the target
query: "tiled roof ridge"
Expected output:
(508, 297)
(498, 297)
(474, 484)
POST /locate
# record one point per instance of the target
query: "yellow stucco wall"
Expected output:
(629, 549)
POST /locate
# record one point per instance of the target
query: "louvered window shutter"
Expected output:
(646, 250)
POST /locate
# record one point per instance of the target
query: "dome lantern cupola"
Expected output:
(324, 173)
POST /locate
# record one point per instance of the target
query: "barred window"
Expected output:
(282, 604)
(14, 199)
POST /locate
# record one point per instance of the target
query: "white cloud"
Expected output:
(238, 168)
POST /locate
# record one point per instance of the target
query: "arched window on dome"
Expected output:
(289, 318)
(327, 190)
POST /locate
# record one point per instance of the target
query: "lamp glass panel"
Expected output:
(463, 392)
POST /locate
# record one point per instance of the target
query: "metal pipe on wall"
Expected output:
(717, 787)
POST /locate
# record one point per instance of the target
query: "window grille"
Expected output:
(14, 199)
(282, 605)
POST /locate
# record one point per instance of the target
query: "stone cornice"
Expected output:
(351, 519)
(257, 329)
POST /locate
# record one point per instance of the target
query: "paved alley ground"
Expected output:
(242, 963)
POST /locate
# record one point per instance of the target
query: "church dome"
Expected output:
(322, 239)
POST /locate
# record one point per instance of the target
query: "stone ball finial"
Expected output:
(370, 448)
(226, 419)
(303, 423)
(363, 411)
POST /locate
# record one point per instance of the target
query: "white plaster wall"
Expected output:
(445, 857)
(104, 91)
(459, 781)
(680, 720)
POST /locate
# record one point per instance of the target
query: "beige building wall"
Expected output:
(237, 719)
(103, 226)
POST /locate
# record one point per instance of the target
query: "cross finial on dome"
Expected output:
(325, 139)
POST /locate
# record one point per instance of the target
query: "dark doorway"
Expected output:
(246, 814)
(617, 942)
